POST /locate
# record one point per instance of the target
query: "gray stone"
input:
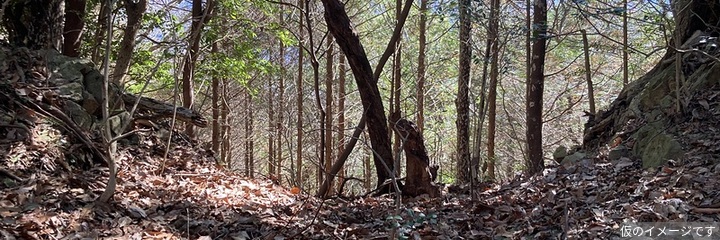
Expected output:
(118, 121)
(560, 153)
(78, 114)
(573, 158)
(618, 152)
(90, 104)
(94, 84)
(72, 91)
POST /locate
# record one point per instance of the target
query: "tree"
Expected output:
(73, 29)
(225, 152)
(493, 33)
(534, 91)
(135, 12)
(34, 24)
(420, 92)
(329, 79)
(462, 102)
(340, 26)
(99, 35)
(249, 139)
(341, 113)
(271, 128)
(216, 131)
(299, 86)
(396, 85)
(200, 16)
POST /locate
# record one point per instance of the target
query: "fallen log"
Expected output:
(160, 109)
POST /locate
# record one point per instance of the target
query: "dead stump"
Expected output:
(420, 174)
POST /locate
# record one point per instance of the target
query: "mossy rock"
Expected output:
(655, 147)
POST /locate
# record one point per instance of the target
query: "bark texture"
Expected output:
(135, 12)
(420, 174)
(35, 24)
(534, 90)
(74, 25)
(462, 101)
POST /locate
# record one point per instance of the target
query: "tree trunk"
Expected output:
(341, 115)
(420, 94)
(329, 77)
(419, 174)
(625, 44)
(199, 17)
(337, 166)
(339, 25)
(35, 24)
(271, 129)
(299, 84)
(135, 12)
(397, 75)
(366, 172)
(535, 163)
(462, 101)
(249, 141)
(280, 114)
(588, 77)
(225, 135)
(316, 88)
(99, 36)
(492, 94)
(215, 141)
(74, 25)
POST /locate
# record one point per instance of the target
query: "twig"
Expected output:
(10, 174)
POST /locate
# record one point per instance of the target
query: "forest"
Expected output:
(329, 119)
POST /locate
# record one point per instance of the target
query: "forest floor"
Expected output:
(185, 196)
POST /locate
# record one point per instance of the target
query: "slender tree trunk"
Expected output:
(588, 77)
(462, 101)
(316, 87)
(329, 77)
(492, 94)
(366, 172)
(341, 113)
(249, 139)
(535, 163)
(280, 114)
(135, 12)
(216, 109)
(321, 146)
(100, 33)
(299, 84)
(625, 44)
(74, 25)
(225, 135)
(271, 130)
(397, 75)
(482, 105)
(420, 95)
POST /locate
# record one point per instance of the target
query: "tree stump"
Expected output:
(420, 175)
